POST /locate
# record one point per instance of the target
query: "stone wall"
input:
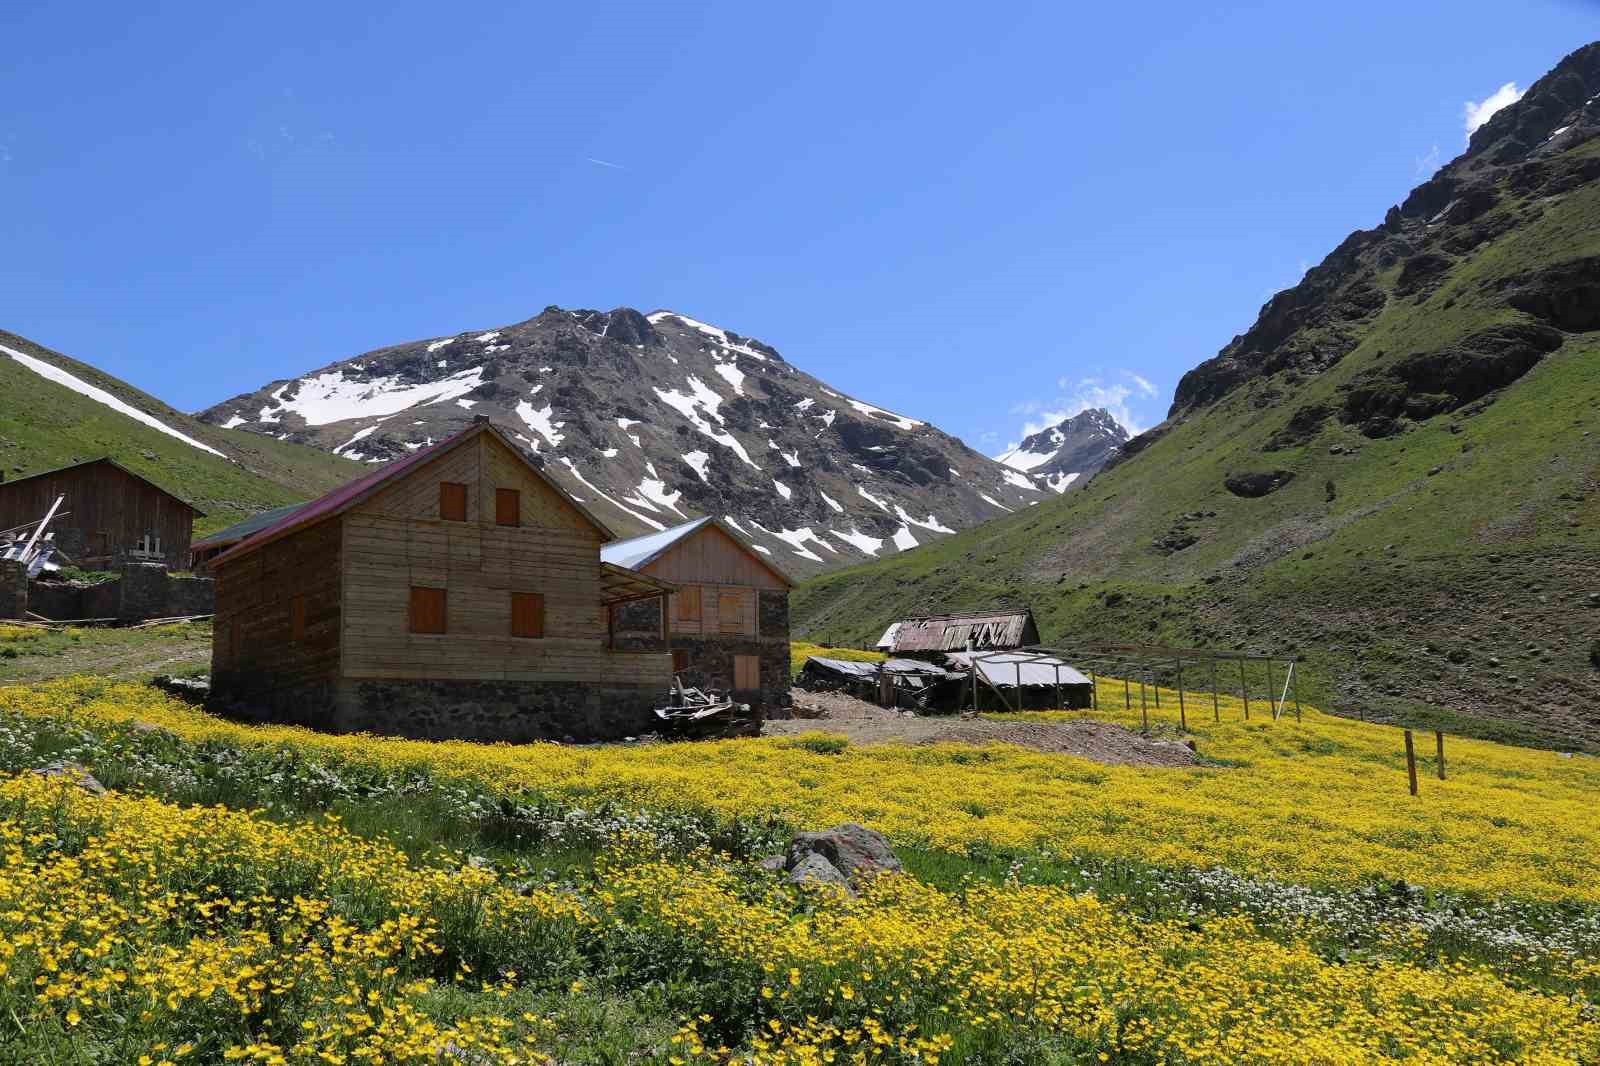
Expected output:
(145, 590)
(636, 626)
(710, 656)
(13, 589)
(512, 711)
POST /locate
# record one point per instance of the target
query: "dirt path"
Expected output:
(120, 653)
(865, 723)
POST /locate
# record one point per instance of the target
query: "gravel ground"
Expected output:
(865, 723)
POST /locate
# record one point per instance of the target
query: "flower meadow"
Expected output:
(267, 894)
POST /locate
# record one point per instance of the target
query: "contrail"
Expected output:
(603, 163)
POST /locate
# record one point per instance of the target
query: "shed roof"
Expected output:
(999, 668)
(254, 524)
(103, 459)
(637, 552)
(994, 629)
(347, 496)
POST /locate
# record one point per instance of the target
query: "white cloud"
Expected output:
(1143, 383)
(1427, 164)
(1476, 114)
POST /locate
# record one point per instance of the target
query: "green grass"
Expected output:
(800, 651)
(1495, 549)
(44, 425)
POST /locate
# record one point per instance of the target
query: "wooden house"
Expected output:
(455, 593)
(202, 551)
(728, 620)
(110, 515)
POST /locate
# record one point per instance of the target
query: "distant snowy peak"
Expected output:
(650, 419)
(1060, 456)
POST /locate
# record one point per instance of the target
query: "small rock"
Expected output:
(1435, 470)
(813, 869)
(76, 773)
(479, 862)
(773, 863)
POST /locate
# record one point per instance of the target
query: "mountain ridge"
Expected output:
(654, 418)
(1394, 472)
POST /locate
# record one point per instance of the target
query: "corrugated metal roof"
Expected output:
(254, 524)
(1001, 629)
(887, 640)
(637, 551)
(1000, 669)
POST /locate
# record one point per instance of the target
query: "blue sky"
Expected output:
(974, 214)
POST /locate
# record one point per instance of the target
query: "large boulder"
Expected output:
(856, 852)
(813, 869)
(1252, 484)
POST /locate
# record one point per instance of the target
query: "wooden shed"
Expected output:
(728, 620)
(110, 516)
(455, 593)
(932, 635)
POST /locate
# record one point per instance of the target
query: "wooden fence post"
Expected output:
(1183, 714)
(1127, 693)
(1438, 738)
(1216, 706)
(1144, 708)
(1294, 687)
(1058, 688)
(1244, 688)
(1094, 692)
(1411, 763)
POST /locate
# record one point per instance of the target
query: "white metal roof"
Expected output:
(887, 640)
(634, 553)
(1000, 668)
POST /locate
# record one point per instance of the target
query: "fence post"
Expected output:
(1058, 688)
(1244, 688)
(1127, 693)
(1411, 763)
(1216, 707)
(1144, 708)
(1438, 737)
(1094, 692)
(1294, 687)
(1183, 714)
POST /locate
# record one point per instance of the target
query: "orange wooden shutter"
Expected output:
(452, 501)
(527, 614)
(427, 610)
(746, 672)
(507, 507)
(688, 599)
(297, 617)
(680, 660)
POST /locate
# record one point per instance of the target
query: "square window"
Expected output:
(688, 601)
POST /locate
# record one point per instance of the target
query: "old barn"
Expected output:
(728, 619)
(932, 635)
(457, 592)
(110, 515)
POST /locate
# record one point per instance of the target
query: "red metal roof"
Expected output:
(348, 495)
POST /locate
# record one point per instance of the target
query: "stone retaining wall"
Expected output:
(145, 590)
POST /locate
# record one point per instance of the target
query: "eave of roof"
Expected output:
(639, 552)
(113, 462)
(244, 527)
(347, 496)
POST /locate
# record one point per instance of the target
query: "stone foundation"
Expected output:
(511, 711)
(13, 589)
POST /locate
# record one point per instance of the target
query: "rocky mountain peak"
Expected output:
(1069, 452)
(655, 418)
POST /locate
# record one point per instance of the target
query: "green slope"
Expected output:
(44, 425)
(1442, 574)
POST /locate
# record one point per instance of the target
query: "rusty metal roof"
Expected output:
(998, 629)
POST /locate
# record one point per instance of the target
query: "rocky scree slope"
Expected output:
(654, 419)
(1395, 472)
(1069, 452)
(55, 410)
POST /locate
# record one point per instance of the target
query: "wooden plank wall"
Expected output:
(253, 654)
(396, 540)
(110, 510)
(717, 564)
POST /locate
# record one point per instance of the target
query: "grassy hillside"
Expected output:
(44, 425)
(1434, 567)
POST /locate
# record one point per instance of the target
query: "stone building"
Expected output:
(727, 620)
(110, 515)
(455, 593)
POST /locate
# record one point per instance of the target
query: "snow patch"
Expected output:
(697, 461)
(467, 404)
(870, 498)
(831, 502)
(646, 519)
(485, 338)
(1060, 482)
(51, 372)
(783, 490)
(233, 422)
(1019, 480)
(538, 419)
(878, 414)
(655, 494)
(931, 523)
(1017, 459)
(792, 458)
(717, 332)
(699, 405)
(361, 434)
(903, 539)
(331, 397)
(994, 503)
(436, 345)
(797, 539)
(859, 540)
(732, 375)
(609, 453)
